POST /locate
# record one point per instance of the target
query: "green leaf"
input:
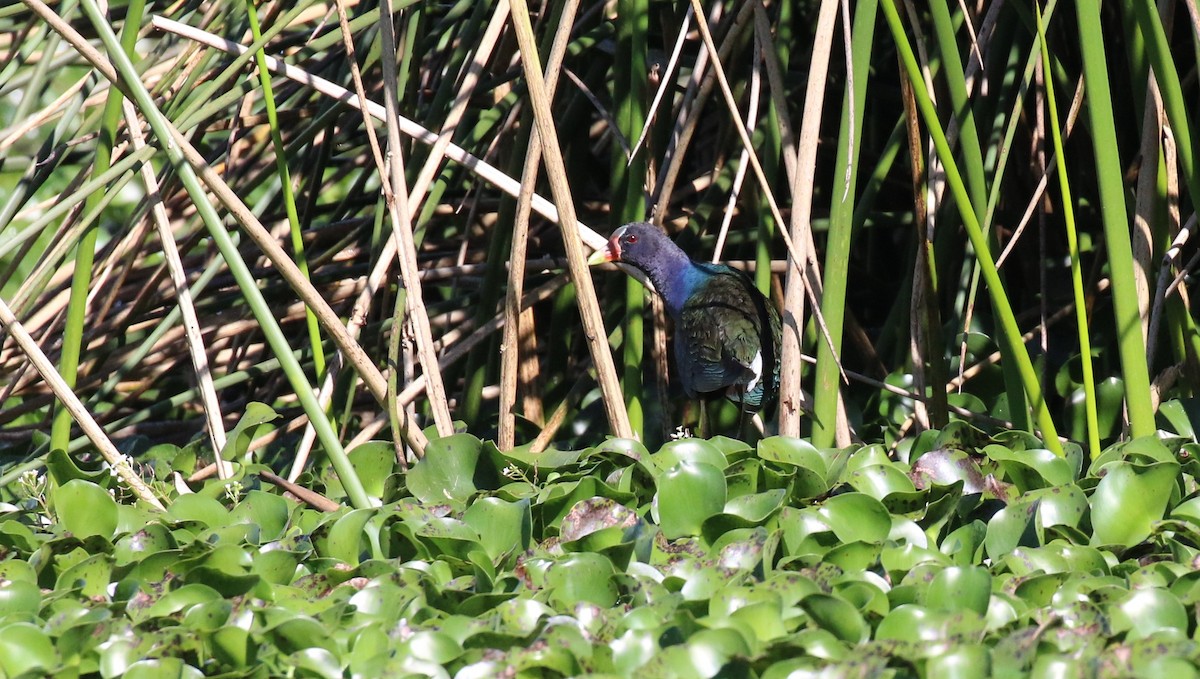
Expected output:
(880, 480)
(447, 472)
(254, 423)
(25, 648)
(85, 509)
(1148, 611)
(91, 575)
(691, 450)
(1129, 499)
(960, 588)
(960, 662)
(373, 461)
(856, 517)
(63, 469)
(503, 527)
(837, 616)
(346, 540)
(581, 578)
(1011, 527)
(688, 493)
(199, 509)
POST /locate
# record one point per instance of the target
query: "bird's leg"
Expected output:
(703, 421)
(741, 412)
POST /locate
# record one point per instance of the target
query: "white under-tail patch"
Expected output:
(756, 368)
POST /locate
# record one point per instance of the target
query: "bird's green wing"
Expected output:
(719, 338)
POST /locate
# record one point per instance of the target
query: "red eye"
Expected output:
(631, 238)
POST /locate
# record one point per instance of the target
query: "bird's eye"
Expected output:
(631, 238)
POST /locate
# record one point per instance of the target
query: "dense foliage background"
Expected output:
(204, 255)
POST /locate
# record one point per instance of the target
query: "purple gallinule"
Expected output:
(727, 334)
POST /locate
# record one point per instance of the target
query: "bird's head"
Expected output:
(637, 244)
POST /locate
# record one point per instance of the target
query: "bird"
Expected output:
(727, 334)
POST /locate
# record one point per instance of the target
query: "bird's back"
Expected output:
(727, 337)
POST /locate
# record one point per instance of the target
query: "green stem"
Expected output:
(841, 227)
(1114, 215)
(1081, 319)
(285, 182)
(128, 79)
(1002, 307)
(85, 253)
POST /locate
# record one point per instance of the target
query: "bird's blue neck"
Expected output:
(676, 278)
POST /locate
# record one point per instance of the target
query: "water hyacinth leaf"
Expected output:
(450, 538)
(1129, 499)
(254, 423)
(757, 507)
(1148, 611)
(1175, 666)
(1188, 510)
(1063, 505)
(318, 662)
(688, 493)
(914, 624)
(733, 449)
(944, 466)
(742, 549)
(631, 448)
(853, 556)
(837, 616)
(276, 565)
(447, 472)
(903, 558)
(182, 599)
(85, 509)
(689, 449)
(729, 600)
(521, 616)
(209, 616)
(746, 477)
(502, 526)
(233, 646)
(582, 577)
(1011, 527)
(703, 583)
(964, 542)
(1146, 449)
(1178, 416)
(1032, 468)
(960, 588)
(793, 452)
(19, 599)
(268, 511)
(1039, 590)
(960, 662)
(523, 459)
(346, 540)
(855, 516)
(631, 650)
(759, 623)
(433, 646)
(1025, 561)
(373, 461)
(199, 509)
(293, 632)
(960, 435)
(880, 480)
(868, 456)
(63, 469)
(91, 575)
(160, 668)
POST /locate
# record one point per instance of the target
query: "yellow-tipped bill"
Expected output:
(608, 253)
